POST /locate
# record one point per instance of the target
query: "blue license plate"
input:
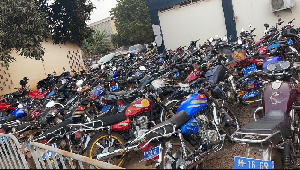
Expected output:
(151, 153)
(250, 94)
(249, 163)
(105, 108)
(49, 153)
(121, 108)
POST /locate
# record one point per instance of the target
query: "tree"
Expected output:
(117, 40)
(22, 28)
(25, 24)
(132, 20)
(98, 43)
(67, 20)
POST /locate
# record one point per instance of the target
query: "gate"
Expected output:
(48, 157)
(10, 153)
(44, 156)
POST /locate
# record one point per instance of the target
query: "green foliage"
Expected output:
(98, 43)
(67, 20)
(23, 27)
(25, 24)
(118, 41)
(132, 20)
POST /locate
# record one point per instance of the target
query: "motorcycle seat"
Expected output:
(269, 124)
(60, 128)
(120, 93)
(106, 120)
(166, 127)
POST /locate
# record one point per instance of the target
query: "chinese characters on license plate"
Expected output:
(249, 163)
(151, 153)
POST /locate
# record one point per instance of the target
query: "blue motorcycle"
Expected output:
(201, 125)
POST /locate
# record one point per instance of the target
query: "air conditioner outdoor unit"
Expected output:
(278, 5)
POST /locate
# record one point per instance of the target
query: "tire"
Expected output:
(167, 162)
(97, 141)
(277, 158)
(230, 126)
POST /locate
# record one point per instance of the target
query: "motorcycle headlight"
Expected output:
(279, 77)
(298, 85)
(285, 65)
(271, 67)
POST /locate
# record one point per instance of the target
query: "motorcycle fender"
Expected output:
(190, 127)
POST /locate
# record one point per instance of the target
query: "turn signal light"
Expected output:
(241, 93)
(260, 63)
(298, 85)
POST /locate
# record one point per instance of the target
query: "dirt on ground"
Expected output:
(218, 160)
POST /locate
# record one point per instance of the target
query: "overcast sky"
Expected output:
(102, 9)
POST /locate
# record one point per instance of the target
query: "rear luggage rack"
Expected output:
(243, 137)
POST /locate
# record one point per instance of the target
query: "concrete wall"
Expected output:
(259, 12)
(57, 57)
(182, 24)
(204, 19)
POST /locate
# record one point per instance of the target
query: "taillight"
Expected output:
(2, 131)
(112, 83)
(80, 108)
(43, 141)
(104, 101)
(145, 148)
(120, 102)
(78, 135)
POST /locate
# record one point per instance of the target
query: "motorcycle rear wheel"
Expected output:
(102, 142)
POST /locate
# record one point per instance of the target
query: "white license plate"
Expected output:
(249, 163)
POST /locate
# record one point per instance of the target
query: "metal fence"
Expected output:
(44, 156)
(48, 157)
(11, 156)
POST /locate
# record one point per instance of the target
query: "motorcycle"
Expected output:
(199, 127)
(275, 135)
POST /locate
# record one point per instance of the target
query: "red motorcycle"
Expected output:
(108, 132)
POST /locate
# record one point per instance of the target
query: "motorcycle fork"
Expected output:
(183, 145)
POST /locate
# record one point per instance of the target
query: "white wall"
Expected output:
(258, 12)
(199, 20)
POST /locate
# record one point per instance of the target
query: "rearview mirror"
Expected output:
(266, 25)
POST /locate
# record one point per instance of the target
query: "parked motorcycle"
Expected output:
(275, 135)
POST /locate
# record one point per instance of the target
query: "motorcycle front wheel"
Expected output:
(230, 121)
(102, 143)
(172, 156)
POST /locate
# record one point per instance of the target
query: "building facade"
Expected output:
(177, 22)
(106, 24)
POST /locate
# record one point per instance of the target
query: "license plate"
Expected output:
(105, 108)
(151, 153)
(250, 94)
(49, 153)
(121, 108)
(249, 163)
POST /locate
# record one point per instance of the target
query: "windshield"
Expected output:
(133, 48)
